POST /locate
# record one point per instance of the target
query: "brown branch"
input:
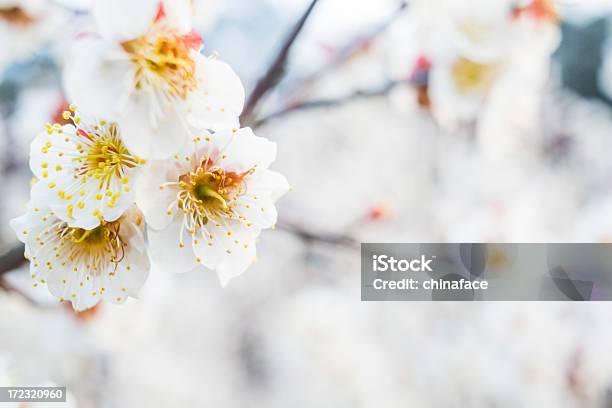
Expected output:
(316, 237)
(9, 261)
(276, 71)
(332, 102)
(349, 50)
(12, 259)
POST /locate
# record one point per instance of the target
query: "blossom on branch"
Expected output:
(84, 266)
(143, 69)
(154, 144)
(85, 172)
(206, 207)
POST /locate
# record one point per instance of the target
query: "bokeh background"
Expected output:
(378, 148)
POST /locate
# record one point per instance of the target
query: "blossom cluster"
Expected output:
(481, 65)
(149, 164)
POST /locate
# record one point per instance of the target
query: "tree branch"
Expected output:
(311, 236)
(276, 71)
(12, 259)
(346, 53)
(332, 102)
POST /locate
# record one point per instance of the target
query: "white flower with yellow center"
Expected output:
(85, 173)
(84, 266)
(143, 69)
(476, 45)
(205, 208)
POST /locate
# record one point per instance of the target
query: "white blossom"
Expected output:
(207, 206)
(84, 266)
(143, 69)
(85, 171)
(474, 46)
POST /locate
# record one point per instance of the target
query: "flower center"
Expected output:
(95, 249)
(15, 15)
(104, 155)
(209, 193)
(163, 62)
(87, 237)
(470, 76)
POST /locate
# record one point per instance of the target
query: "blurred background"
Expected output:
(418, 121)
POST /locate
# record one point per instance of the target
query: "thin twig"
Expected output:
(276, 71)
(346, 53)
(12, 259)
(332, 102)
(311, 236)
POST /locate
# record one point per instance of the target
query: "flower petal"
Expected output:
(166, 251)
(152, 197)
(226, 244)
(21, 225)
(134, 278)
(124, 20)
(149, 136)
(269, 183)
(98, 77)
(73, 286)
(178, 14)
(236, 265)
(241, 150)
(256, 205)
(219, 98)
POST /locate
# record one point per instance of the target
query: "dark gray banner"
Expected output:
(469, 272)
(26, 395)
